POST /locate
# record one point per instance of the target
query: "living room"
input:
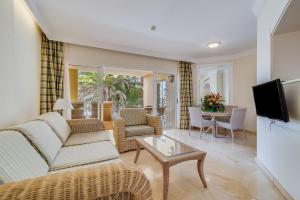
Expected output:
(198, 131)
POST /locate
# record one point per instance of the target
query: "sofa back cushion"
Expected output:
(58, 124)
(18, 159)
(42, 137)
(134, 116)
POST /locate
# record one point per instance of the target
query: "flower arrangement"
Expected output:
(213, 102)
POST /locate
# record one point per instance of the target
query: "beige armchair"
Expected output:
(134, 122)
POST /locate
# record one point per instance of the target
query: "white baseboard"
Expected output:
(285, 194)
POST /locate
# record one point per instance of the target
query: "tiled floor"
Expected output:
(230, 170)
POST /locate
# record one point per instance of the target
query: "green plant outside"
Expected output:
(123, 91)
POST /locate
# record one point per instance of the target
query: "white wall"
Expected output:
(239, 92)
(20, 51)
(244, 77)
(148, 90)
(89, 56)
(277, 148)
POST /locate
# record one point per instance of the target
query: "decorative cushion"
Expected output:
(134, 116)
(86, 138)
(58, 124)
(42, 136)
(84, 154)
(139, 130)
(18, 159)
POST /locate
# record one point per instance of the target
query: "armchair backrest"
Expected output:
(237, 118)
(134, 116)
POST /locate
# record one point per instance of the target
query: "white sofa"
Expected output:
(49, 144)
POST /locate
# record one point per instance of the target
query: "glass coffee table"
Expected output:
(169, 152)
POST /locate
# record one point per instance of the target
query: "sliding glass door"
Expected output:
(100, 92)
(90, 91)
(165, 98)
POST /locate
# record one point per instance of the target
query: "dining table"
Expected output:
(213, 116)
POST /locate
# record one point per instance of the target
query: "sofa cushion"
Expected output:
(139, 130)
(42, 136)
(86, 138)
(18, 159)
(134, 116)
(58, 124)
(97, 164)
(84, 154)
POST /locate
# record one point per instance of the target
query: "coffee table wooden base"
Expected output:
(200, 157)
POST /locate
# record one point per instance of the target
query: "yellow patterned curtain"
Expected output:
(186, 93)
(52, 73)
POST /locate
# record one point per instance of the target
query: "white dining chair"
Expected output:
(196, 120)
(236, 122)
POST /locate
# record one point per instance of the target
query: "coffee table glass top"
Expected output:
(167, 146)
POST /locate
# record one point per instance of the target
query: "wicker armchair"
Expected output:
(116, 181)
(134, 122)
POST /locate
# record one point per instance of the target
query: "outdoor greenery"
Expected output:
(123, 91)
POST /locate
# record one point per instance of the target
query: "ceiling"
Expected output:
(183, 28)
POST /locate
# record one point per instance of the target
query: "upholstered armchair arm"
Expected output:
(119, 133)
(86, 125)
(155, 122)
(116, 181)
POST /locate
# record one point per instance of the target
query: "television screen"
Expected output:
(270, 100)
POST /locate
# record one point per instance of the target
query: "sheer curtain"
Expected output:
(67, 97)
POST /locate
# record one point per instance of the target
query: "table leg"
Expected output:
(200, 164)
(165, 182)
(214, 129)
(138, 150)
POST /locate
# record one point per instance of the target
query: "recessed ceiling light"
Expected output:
(153, 28)
(214, 45)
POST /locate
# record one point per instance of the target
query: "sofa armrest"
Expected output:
(86, 125)
(119, 133)
(102, 182)
(155, 122)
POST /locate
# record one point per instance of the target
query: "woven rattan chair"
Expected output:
(134, 122)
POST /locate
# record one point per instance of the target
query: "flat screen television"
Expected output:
(270, 100)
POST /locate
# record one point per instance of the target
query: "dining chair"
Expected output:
(228, 109)
(236, 122)
(196, 120)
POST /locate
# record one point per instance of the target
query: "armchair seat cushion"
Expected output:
(87, 138)
(139, 130)
(72, 156)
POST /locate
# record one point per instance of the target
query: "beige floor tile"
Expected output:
(230, 170)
